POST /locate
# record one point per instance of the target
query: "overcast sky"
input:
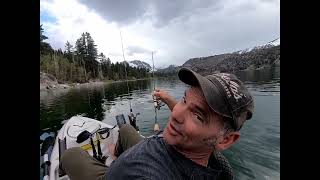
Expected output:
(176, 30)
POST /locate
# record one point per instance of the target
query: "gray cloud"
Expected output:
(131, 50)
(161, 12)
(271, 1)
(118, 11)
(183, 29)
(115, 54)
(210, 33)
(165, 11)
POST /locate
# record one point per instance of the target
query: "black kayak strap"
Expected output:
(93, 149)
(99, 149)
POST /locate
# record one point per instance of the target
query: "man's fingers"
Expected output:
(159, 94)
(154, 93)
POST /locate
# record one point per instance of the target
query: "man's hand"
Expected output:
(111, 148)
(165, 97)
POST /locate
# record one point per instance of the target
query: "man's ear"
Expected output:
(228, 140)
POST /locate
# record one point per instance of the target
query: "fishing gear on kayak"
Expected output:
(46, 149)
(132, 117)
(88, 134)
(85, 135)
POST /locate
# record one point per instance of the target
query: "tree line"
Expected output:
(82, 62)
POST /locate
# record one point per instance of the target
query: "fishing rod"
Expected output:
(125, 69)
(157, 103)
(132, 117)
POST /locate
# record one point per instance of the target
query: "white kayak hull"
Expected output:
(70, 130)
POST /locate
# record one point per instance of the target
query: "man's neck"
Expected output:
(200, 158)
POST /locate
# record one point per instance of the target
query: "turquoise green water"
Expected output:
(255, 156)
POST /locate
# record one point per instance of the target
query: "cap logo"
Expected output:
(224, 86)
(232, 84)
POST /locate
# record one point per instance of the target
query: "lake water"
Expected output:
(255, 156)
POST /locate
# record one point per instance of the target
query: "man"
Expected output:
(206, 121)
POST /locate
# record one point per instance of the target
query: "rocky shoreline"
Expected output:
(48, 83)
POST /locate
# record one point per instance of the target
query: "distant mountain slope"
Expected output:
(140, 64)
(253, 58)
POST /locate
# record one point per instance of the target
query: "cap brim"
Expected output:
(213, 96)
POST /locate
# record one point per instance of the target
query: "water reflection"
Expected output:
(90, 101)
(256, 156)
(260, 76)
(98, 101)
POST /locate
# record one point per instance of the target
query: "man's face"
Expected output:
(192, 125)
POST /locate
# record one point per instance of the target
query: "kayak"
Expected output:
(94, 137)
(91, 135)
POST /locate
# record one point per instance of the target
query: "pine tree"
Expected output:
(91, 54)
(45, 47)
(68, 53)
(42, 37)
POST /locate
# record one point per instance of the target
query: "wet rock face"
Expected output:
(47, 81)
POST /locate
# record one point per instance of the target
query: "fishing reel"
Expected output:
(157, 103)
(133, 119)
(133, 116)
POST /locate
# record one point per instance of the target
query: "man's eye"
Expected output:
(183, 99)
(198, 117)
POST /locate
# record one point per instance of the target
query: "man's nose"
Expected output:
(178, 114)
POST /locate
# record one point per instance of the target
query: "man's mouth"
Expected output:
(172, 130)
